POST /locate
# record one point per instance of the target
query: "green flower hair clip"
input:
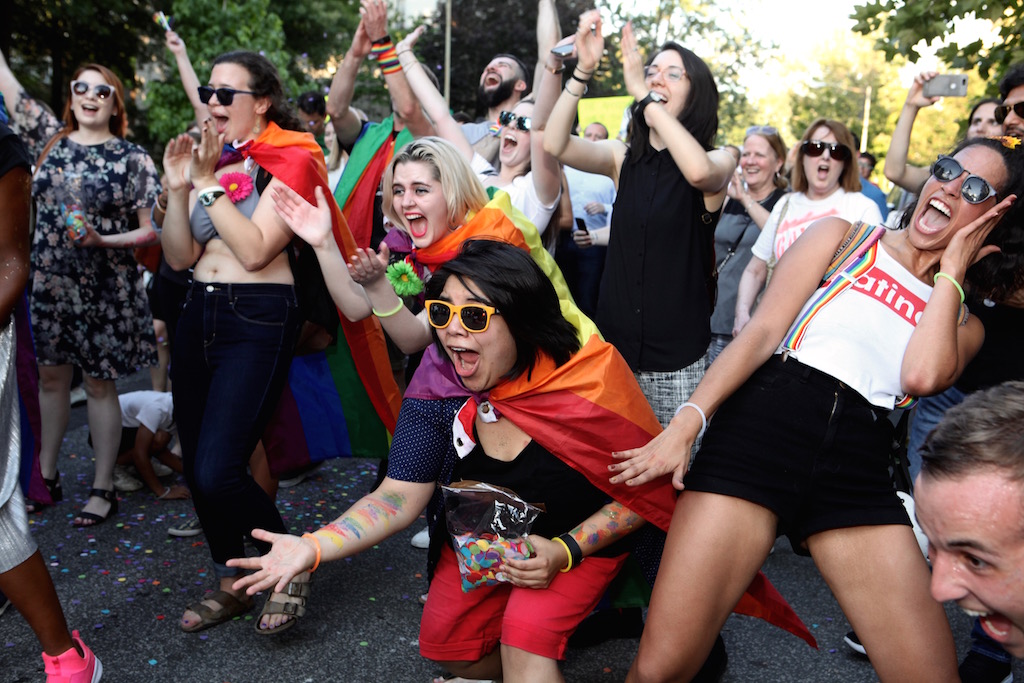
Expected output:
(404, 279)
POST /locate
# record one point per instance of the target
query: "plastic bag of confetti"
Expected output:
(488, 524)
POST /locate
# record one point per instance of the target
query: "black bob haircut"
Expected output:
(508, 279)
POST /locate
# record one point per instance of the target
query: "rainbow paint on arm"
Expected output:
(604, 527)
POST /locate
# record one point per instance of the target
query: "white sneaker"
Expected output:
(160, 469)
(421, 539)
(125, 482)
(78, 396)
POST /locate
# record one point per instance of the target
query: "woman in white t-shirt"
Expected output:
(825, 183)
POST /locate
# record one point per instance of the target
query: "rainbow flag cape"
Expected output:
(360, 370)
(364, 169)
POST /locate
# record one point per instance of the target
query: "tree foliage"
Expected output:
(903, 24)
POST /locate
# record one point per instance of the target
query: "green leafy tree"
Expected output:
(903, 25)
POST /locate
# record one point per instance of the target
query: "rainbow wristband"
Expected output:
(380, 46)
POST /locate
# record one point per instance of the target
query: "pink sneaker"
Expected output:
(71, 667)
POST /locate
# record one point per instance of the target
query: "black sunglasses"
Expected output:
(507, 118)
(102, 90)
(474, 317)
(224, 95)
(815, 148)
(974, 189)
(1003, 110)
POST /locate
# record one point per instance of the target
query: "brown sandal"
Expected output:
(230, 607)
(292, 608)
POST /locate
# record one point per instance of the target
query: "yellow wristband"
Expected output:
(568, 553)
(951, 279)
(388, 314)
(316, 542)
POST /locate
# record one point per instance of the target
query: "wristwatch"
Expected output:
(651, 97)
(208, 196)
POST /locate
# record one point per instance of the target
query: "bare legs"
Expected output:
(509, 665)
(54, 409)
(31, 591)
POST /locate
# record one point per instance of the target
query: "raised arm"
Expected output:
(549, 33)
(604, 157)
(403, 101)
(708, 171)
(393, 506)
(428, 96)
(347, 124)
(910, 178)
(939, 348)
(187, 73)
(796, 276)
(9, 85)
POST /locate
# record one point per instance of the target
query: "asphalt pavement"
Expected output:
(125, 583)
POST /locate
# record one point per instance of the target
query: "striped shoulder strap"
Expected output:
(858, 238)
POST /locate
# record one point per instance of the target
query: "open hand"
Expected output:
(177, 159)
(410, 40)
(668, 452)
(967, 246)
(367, 266)
(589, 43)
(311, 223)
(633, 64)
(206, 154)
(289, 556)
(374, 14)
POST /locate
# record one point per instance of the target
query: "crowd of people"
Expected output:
(655, 343)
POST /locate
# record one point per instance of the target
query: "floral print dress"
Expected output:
(88, 304)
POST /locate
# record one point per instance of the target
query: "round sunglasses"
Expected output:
(474, 317)
(101, 90)
(815, 148)
(225, 96)
(974, 189)
(507, 118)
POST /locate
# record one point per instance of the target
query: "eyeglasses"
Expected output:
(224, 95)
(669, 73)
(815, 148)
(1003, 110)
(507, 118)
(101, 90)
(761, 130)
(974, 189)
(474, 317)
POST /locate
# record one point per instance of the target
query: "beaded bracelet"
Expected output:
(388, 314)
(316, 542)
(951, 279)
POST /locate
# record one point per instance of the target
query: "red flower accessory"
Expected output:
(238, 186)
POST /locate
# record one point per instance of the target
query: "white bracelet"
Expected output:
(167, 489)
(211, 188)
(700, 411)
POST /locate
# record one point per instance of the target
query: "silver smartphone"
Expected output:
(562, 50)
(946, 85)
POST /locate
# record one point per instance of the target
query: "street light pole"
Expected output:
(864, 124)
(448, 52)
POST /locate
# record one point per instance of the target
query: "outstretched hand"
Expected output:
(633, 64)
(374, 14)
(589, 41)
(311, 223)
(289, 556)
(410, 40)
(367, 267)
(668, 452)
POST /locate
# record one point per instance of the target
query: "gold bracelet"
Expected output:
(388, 314)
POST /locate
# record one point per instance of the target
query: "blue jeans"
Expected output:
(927, 414)
(232, 351)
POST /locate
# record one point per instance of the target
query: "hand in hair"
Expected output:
(311, 223)
(967, 246)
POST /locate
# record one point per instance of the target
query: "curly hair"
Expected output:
(265, 82)
(999, 275)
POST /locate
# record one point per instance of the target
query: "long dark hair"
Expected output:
(700, 112)
(265, 82)
(511, 282)
(999, 275)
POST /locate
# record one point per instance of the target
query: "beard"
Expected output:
(492, 98)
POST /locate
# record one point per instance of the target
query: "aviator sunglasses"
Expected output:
(507, 118)
(101, 90)
(224, 95)
(1003, 110)
(815, 148)
(974, 190)
(474, 317)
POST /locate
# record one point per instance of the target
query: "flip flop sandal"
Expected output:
(230, 607)
(292, 608)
